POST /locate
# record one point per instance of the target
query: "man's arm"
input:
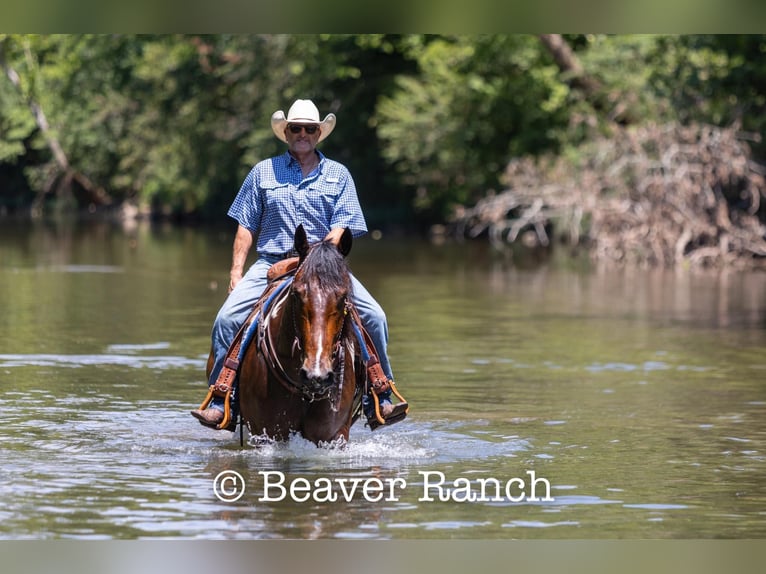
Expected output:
(347, 211)
(242, 243)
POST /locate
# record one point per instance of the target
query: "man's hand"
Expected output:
(335, 235)
(234, 278)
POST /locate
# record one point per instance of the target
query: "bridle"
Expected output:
(267, 346)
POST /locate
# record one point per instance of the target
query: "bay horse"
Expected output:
(303, 371)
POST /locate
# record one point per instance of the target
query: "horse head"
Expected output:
(322, 293)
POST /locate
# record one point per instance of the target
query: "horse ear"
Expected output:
(344, 246)
(301, 242)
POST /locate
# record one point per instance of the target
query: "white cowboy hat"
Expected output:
(301, 112)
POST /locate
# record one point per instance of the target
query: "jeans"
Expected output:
(239, 303)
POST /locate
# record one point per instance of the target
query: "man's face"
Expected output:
(299, 139)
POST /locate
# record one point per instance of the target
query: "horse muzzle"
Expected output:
(316, 387)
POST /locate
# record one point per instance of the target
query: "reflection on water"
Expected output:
(639, 396)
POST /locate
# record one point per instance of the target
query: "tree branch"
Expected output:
(98, 194)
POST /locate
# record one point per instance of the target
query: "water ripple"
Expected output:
(85, 269)
(646, 366)
(76, 361)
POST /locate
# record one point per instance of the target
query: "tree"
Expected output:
(62, 173)
(475, 102)
(173, 122)
(719, 79)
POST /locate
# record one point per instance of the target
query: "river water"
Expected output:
(612, 404)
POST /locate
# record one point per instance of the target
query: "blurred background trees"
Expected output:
(170, 124)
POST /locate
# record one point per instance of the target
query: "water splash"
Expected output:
(414, 443)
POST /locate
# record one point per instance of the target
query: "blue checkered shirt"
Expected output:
(275, 198)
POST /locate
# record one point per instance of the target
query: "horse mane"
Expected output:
(326, 265)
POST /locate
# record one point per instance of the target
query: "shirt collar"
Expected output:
(292, 162)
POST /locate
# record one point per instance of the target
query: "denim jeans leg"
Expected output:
(374, 320)
(234, 313)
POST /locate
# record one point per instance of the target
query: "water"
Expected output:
(639, 397)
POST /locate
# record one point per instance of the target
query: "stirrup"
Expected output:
(399, 413)
(227, 423)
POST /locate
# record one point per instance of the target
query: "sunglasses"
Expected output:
(296, 128)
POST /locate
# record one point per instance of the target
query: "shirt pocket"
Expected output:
(276, 194)
(324, 196)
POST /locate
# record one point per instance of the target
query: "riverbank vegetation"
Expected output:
(642, 149)
(655, 195)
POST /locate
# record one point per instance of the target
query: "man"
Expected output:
(301, 186)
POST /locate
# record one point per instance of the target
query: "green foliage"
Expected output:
(15, 126)
(475, 102)
(715, 79)
(16, 123)
(174, 122)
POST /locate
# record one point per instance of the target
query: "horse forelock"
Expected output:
(325, 265)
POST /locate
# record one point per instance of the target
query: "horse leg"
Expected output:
(325, 424)
(269, 410)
